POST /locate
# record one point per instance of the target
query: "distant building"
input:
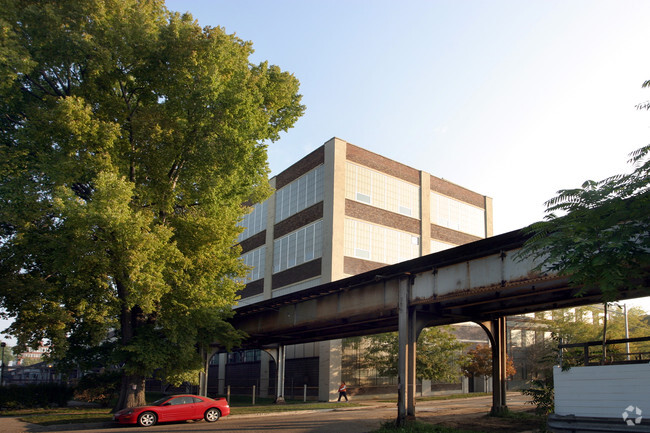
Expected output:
(340, 211)
(31, 356)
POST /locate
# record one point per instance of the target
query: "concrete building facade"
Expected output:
(340, 211)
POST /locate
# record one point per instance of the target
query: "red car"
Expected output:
(174, 408)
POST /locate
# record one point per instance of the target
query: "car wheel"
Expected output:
(212, 414)
(146, 419)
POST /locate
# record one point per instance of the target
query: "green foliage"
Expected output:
(129, 137)
(542, 396)
(35, 395)
(598, 234)
(7, 355)
(438, 354)
(100, 388)
(585, 324)
(478, 362)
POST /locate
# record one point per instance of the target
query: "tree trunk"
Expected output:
(131, 392)
(132, 386)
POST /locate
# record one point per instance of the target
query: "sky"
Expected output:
(512, 99)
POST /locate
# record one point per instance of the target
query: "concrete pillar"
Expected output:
(489, 222)
(329, 369)
(223, 358)
(333, 210)
(264, 374)
(425, 213)
(332, 268)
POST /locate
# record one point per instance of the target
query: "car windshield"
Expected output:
(160, 401)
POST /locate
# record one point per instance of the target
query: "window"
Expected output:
(242, 356)
(379, 244)
(299, 194)
(437, 246)
(457, 215)
(256, 259)
(254, 222)
(298, 247)
(380, 190)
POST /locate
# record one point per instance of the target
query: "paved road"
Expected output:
(340, 419)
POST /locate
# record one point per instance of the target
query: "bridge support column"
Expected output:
(279, 399)
(277, 353)
(407, 352)
(496, 331)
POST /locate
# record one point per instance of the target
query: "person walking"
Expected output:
(343, 391)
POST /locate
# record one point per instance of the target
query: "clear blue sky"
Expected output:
(513, 99)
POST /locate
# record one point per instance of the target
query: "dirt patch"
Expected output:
(485, 423)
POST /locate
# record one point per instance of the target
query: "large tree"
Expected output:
(129, 137)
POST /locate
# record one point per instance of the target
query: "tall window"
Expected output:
(256, 259)
(457, 215)
(437, 246)
(377, 189)
(254, 222)
(379, 244)
(296, 248)
(299, 194)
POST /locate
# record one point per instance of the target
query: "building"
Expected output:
(340, 211)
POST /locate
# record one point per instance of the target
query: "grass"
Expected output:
(419, 427)
(61, 415)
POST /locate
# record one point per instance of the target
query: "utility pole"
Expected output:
(2, 367)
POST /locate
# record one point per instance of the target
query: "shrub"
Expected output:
(98, 388)
(543, 396)
(35, 395)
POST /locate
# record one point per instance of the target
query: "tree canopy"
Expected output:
(129, 137)
(599, 234)
(478, 362)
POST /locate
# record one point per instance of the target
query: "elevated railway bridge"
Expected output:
(483, 282)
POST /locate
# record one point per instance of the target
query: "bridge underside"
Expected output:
(483, 305)
(482, 282)
(476, 282)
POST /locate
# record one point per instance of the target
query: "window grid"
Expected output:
(299, 194)
(379, 244)
(380, 190)
(457, 215)
(437, 246)
(256, 259)
(253, 222)
(296, 248)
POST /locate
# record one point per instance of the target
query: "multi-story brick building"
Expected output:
(339, 211)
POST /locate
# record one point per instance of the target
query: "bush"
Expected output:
(35, 395)
(543, 396)
(100, 388)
